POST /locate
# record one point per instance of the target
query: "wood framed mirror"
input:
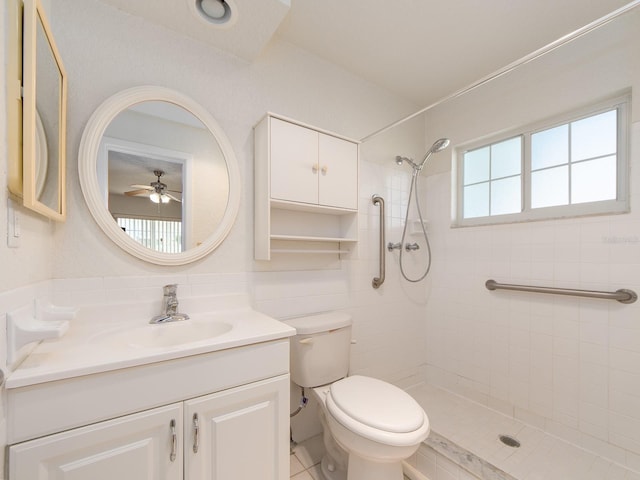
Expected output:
(36, 109)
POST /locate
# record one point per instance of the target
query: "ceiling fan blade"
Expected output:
(173, 198)
(133, 193)
(146, 187)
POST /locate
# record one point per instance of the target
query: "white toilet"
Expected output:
(375, 424)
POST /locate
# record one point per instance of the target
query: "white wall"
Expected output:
(105, 51)
(100, 62)
(568, 365)
(33, 261)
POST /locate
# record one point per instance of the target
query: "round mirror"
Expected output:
(159, 175)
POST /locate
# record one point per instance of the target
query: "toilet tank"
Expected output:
(320, 350)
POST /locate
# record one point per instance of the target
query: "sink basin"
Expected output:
(164, 335)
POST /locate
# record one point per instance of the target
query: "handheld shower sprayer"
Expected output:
(437, 146)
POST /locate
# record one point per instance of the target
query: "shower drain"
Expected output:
(509, 441)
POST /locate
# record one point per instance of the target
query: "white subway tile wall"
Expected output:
(568, 365)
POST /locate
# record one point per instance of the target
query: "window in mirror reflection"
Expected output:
(160, 235)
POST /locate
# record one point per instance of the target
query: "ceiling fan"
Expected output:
(157, 190)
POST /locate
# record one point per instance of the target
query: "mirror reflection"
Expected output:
(47, 131)
(162, 176)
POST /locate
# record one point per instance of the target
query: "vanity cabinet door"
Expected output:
(141, 446)
(239, 434)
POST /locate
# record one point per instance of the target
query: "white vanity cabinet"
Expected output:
(306, 189)
(216, 416)
(233, 434)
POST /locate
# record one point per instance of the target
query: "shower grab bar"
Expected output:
(377, 281)
(622, 295)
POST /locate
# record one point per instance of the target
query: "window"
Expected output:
(576, 166)
(160, 235)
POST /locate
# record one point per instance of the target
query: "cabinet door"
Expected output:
(338, 183)
(134, 447)
(294, 162)
(239, 434)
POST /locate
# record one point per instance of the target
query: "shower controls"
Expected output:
(394, 246)
(398, 246)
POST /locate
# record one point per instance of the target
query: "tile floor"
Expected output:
(541, 456)
(305, 460)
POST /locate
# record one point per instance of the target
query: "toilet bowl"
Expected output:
(370, 426)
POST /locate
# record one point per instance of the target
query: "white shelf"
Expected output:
(306, 238)
(309, 207)
(332, 252)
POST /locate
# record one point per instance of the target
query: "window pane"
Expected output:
(476, 201)
(594, 136)
(550, 147)
(506, 158)
(550, 187)
(594, 180)
(505, 196)
(476, 166)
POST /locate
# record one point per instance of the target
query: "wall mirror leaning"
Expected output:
(159, 175)
(37, 114)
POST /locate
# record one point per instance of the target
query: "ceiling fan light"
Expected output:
(155, 197)
(165, 198)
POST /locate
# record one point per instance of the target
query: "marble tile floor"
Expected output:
(305, 460)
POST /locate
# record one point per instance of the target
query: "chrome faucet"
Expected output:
(169, 307)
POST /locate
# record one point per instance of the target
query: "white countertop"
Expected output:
(96, 340)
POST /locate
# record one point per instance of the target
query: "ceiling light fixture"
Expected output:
(156, 197)
(215, 12)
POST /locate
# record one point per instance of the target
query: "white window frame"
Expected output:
(602, 207)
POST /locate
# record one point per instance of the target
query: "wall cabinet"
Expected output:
(306, 189)
(235, 434)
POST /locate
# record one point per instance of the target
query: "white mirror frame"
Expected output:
(87, 163)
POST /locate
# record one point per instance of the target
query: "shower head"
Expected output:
(439, 145)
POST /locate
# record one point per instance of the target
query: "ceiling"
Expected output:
(422, 50)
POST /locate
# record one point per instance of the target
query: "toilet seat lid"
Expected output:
(376, 404)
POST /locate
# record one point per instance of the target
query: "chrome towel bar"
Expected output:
(377, 281)
(622, 295)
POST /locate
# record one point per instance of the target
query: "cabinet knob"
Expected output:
(314, 168)
(324, 169)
